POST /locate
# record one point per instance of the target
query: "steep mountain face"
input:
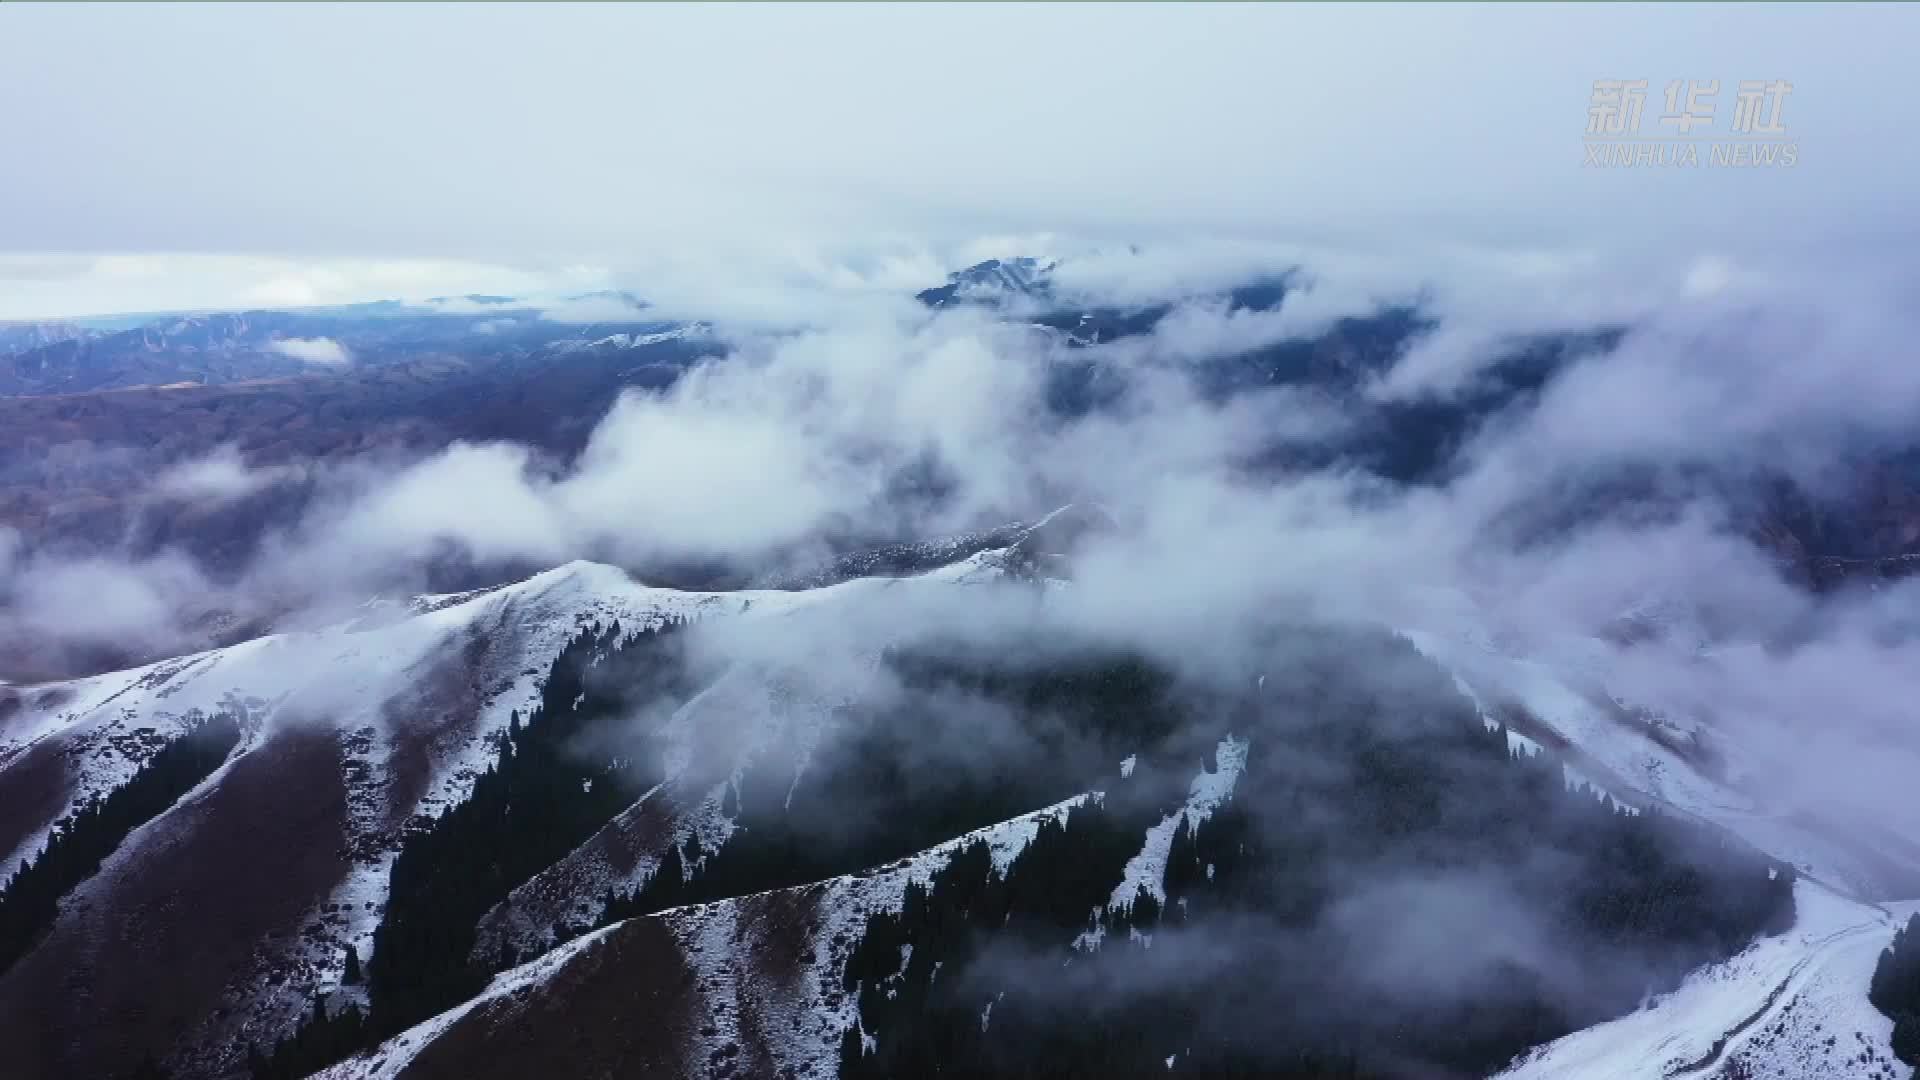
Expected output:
(756, 851)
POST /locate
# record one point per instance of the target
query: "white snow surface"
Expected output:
(1148, 869)
(1774, 1006)
(634, 341)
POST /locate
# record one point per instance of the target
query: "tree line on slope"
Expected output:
(325, 1035)
(548, 792)
(557, 778)
(1895, 989)
(81, 841)
(542, 798)
(867, 794)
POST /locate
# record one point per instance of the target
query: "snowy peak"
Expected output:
(994, 282)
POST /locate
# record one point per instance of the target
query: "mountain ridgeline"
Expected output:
(1389, 890)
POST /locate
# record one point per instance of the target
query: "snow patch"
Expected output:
(1148, 869)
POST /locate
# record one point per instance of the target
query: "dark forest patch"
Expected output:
(1895, 990)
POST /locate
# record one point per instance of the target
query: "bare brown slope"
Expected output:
(623, 1007)
(719, 990)
(151, 946)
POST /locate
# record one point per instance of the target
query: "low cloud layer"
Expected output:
(869, 417)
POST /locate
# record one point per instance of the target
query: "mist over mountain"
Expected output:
(1190, 627)
(1002, 541)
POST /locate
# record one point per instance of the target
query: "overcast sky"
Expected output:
(378, 150)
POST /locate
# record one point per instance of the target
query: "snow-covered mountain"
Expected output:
(995, 282)
(351, 734)
(477, 834)
(207, 931)
(755, 848)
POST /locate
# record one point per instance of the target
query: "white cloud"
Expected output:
(323, 351)
(220, 475)
(593, 309)
(485, 497)
(100, 601)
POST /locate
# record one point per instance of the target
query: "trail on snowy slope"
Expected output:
(1716, 1054)
(1794, 1004)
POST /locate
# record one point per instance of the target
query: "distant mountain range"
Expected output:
(213, 348)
